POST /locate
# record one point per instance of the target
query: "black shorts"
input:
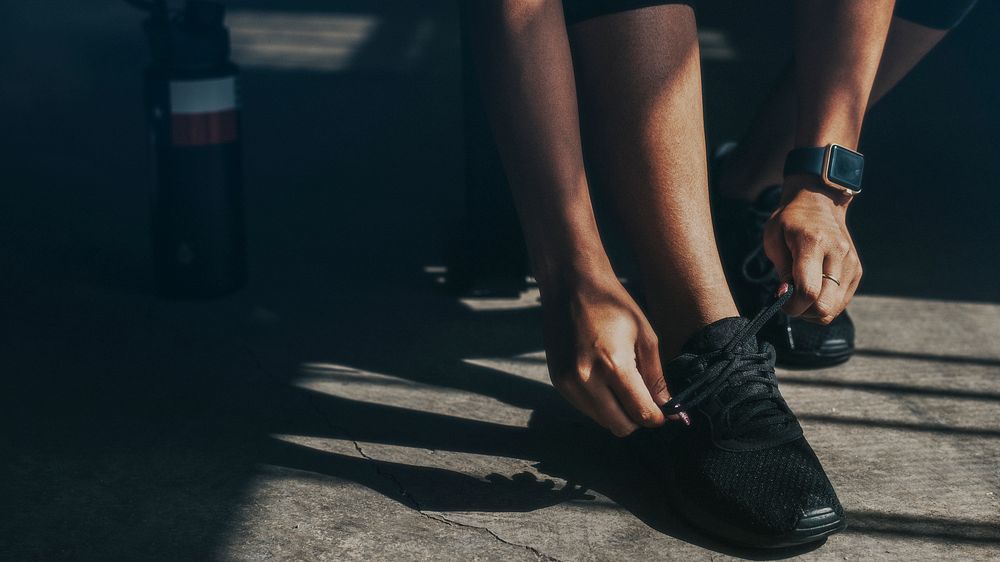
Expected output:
(579, 10)
(937, 14)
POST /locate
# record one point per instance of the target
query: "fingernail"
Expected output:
(782, 289)
(674, 412)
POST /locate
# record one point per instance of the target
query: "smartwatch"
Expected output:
(840, 168)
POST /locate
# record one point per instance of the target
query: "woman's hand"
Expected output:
(808, 242)
(603, 355)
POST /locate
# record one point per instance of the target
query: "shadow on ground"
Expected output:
(138, 424)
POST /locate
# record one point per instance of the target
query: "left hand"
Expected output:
(806, 238)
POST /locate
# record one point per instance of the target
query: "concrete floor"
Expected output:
(909, 437)
(251, 430)
(342, 407)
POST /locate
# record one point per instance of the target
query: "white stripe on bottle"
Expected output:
(203, 96)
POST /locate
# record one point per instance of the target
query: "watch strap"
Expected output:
(809, 161)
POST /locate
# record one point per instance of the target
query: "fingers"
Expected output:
(830, 302)
(842, 264)
(807, 274)
(610, 369)
(777, 251)
(852, 278)
(599, 404)
(853, 287)
(807, 238)
(612, 392)
(647, 355)
(631, 392)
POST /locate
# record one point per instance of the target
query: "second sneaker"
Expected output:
(739, 229)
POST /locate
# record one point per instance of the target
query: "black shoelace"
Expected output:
(743, 381)
(756, 267)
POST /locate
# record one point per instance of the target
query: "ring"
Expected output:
(831, 278)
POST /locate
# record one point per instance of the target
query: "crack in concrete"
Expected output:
(376, 465)
(378, 470)
(415, 505)
(451, 522)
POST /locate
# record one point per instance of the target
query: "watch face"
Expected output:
(846, 168)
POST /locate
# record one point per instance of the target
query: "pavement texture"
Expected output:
(234, 431)
(343, 407)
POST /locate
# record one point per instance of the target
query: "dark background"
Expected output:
(133, 424)
(379, 145)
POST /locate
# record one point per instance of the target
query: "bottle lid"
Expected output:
(196, 39)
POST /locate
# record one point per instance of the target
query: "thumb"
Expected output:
(647, 357)
(780, 255)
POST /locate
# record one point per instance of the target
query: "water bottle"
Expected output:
(198, 234)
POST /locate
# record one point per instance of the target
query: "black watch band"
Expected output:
(808, 161)
(840, 168)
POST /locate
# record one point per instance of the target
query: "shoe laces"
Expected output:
(756, 266)
(742, 381)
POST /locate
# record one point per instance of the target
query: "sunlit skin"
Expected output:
(757, 164)
(838, 46)
(639, 80)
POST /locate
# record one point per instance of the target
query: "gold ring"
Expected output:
(831, 278)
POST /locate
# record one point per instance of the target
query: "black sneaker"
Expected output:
(741, 469)
(740, 232)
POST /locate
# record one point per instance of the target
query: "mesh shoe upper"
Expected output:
(743, 460)
(767, 489)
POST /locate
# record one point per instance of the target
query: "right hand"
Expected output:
(807, 239)
(603, 356)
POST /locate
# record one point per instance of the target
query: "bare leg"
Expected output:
(639, 79)
(601, 351)
(758, 161)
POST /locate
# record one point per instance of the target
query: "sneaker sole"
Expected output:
(811, 359)
(826, 356)
(814, 526)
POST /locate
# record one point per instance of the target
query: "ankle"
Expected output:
(677, 323)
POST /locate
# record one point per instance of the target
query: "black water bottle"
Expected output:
(191, 101)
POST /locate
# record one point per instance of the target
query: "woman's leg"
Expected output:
(601, 351)
(757, 162)
(639, 84)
